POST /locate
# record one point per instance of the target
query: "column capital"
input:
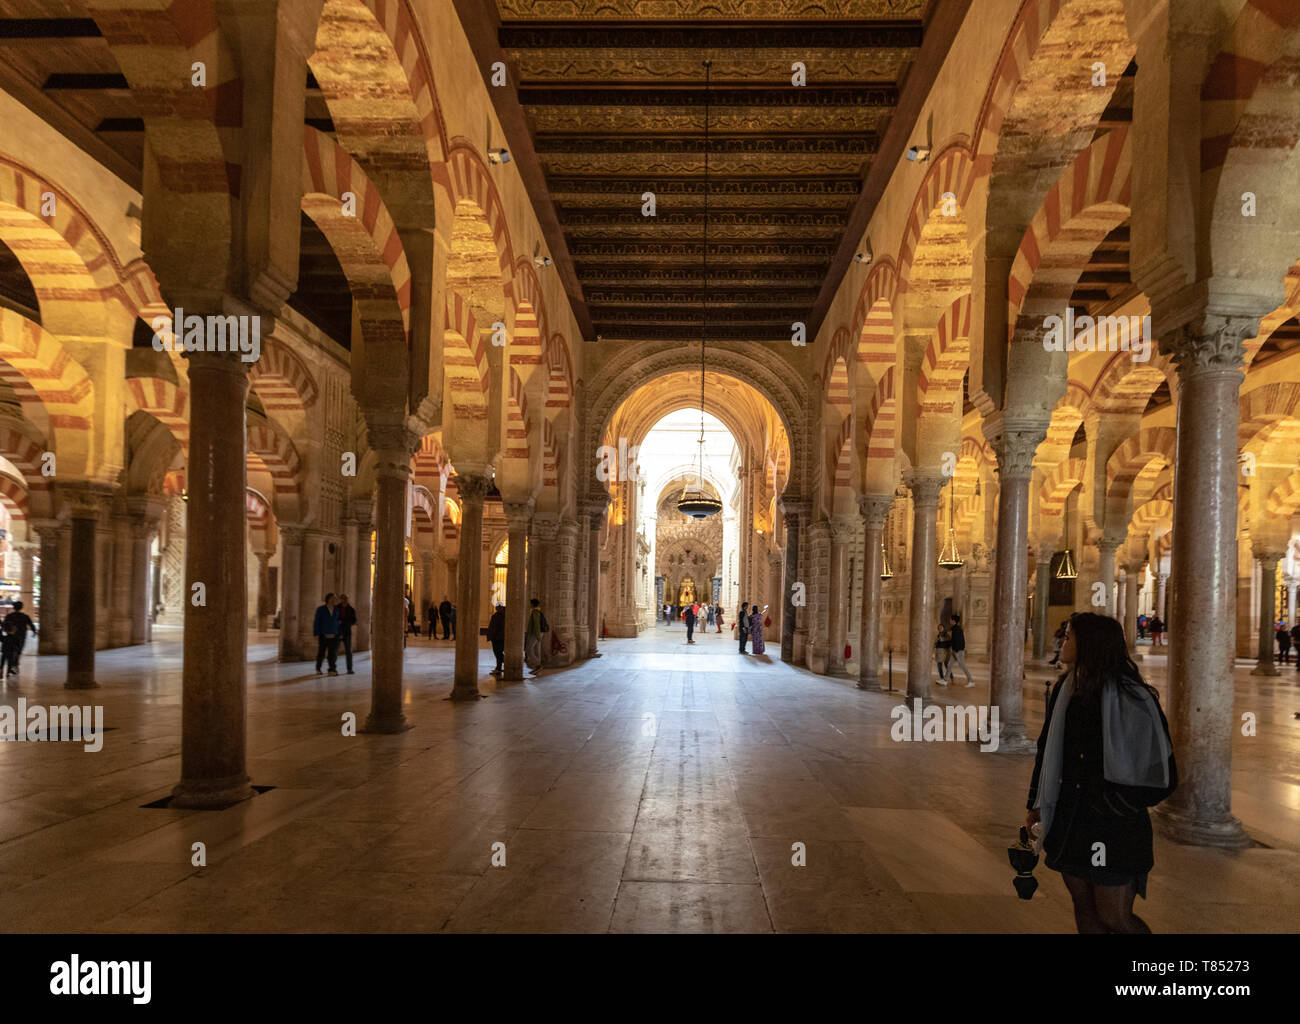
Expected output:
(875, 509)
(1016, 442)
(594, 507)
(292, 534)
(363, 513)
(844, 528)
(793, 508)
(925, 486)
(546, 528)
(85, 499)
(1269, 556)
(1210, 344)
(518, 514)
(819, 529)
(1108, 543)
(471, 486)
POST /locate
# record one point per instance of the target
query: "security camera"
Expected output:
(921, 153)
(864, 257)
(498, 156)
(542, 261)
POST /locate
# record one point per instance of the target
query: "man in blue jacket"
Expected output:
(326, 630)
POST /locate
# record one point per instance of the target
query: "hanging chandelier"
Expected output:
(949, 556)
(886, 573)
(698, 501)
(1066, 570)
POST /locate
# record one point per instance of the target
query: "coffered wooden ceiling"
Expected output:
(610, 101)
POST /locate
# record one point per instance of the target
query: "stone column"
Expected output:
(792, 510)
(1107, 546)
(541, 581)
(1134, 571)
(214, 769)
(121, 597)
(362, 512)
(925, 488)
(472, 483)
(350, 560)
(1016, 447)
(142, 530)
(264, 596)
(568, 584)
(81, 592)
(517, 516)
(843, 533)
(393, 447)
(1268, 559)
(595, 511)
(311, 589)
(1042, 594)
(875, 510)
(291, 537)
(1208, 355)
(1161, 580)
(48, 531)
(27, 574)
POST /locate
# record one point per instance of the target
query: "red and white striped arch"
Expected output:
(946, 358)
(270, 448)
(283, 383)
(950, 172)
(165, 402)
(1130, 459)
(470, 179)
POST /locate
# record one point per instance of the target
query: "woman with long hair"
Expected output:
(1104, 757)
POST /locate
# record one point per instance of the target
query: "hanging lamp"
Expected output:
(1066, 570)
(886, 573)
(949, 556)
(698, 501)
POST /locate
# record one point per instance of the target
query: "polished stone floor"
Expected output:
(659, 788)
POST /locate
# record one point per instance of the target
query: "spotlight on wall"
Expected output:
(864, 257)
(921, 153)
(498, 156)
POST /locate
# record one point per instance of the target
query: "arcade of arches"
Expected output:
(449, 344)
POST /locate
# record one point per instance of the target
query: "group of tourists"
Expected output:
(950, 647)
(444, 613)
(749, 627)
(533, 630)
(705, 615)
(333, 625)
(1286, 639)
(1154, 625)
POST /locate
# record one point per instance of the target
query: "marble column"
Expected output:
(541, 582)
(81, 593)
(393, 447)
(1042, 595)
(925, 488)
(792, 511)
(1016, 447)
(1209, 357)
(595, 511)
(1266, 663)
(843, 534)
(47, 614)
(27, 552)
(214, 768)
(311, 589)
(1134, 571)
(1161, 581)
(472, 484)
(567, 589)
(517, 516)
(875, 510)
(264, 596)
(142, 530)
(1106, 547)
(291, 537)
(362, 512)
(122, 603)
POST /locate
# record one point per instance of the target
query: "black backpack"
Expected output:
(546, 626)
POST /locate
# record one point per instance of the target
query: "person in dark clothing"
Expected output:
(1283, 645)
(717, 615)
(452, 619)
(444, 613)
(1295, 642)
(1104, 757)
(942, 651)
(688, 617)
(496, 635)
(430, 620)
(20, 622)
(325, 628)
(347, 620)
(957, 651)
(742, 625)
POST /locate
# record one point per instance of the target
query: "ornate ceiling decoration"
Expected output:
(613, 95)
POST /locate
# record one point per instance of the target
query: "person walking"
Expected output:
(347, 620)
(1157, 631)
(1295, 642)
(717, 615)
(742, 625)
(1283, 644)
(756, 629)
(325, 627)
(942, 648)
(1058, 638)
(1104, 757)
(1142, 627)
(688, 616)
(708, 618)
(431, 617)
(496, 636)
(537, 625)
(453, 622)
(406, 607)
(21, 623)
(444, 613)
(957, 651)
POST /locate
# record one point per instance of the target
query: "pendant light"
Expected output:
(698, 502)
(886, 573)
(1066, 570)
(949, 556)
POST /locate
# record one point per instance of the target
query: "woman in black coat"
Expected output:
(1111, 758)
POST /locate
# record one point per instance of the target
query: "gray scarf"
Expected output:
(1134, 745)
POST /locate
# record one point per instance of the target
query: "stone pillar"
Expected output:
(265, 598)
(568, 584)
(875, 510)
(120, 602)
(426, 586)
(1161, 580)
(595, 511)
(311, 589)
(925, 488)
(792, 510)
(843, 534)
(517, 516)
(541, 579)
(213, 760)
(393, 447)
(1266, 663)
(362, 512)
(27, 574)
(1042, 595)
(817, 624)
(141, 625)
(1016, 446)
(81, 593)
(291, 537)
(1131, 608)
(48, 531)
(1209, 357)
(350, 561)
(472, 484)
(1107, 546)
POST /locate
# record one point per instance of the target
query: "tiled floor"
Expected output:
(659, 788)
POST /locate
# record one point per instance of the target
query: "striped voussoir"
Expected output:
(271, 449)
(471, 180)
(950, 173)
(166, 402)
(464, 357)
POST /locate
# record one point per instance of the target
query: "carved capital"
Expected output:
(875, 509)
(518, 513)
(792, 508)
(925, 487)
(292, 534)
(1015, 450)
(85, 499)
(1269, 557)
(363, 513)
(471, 487)
(546, 528)
(1212, 344)
(593, 506)
(845, 529)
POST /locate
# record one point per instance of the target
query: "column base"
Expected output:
(512, 675)
(1183, 828)
(871, 684)
(1015, 742)
(386, 724)
(464, 693)
(211, 794)
(1265, 669)
(81, 681)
